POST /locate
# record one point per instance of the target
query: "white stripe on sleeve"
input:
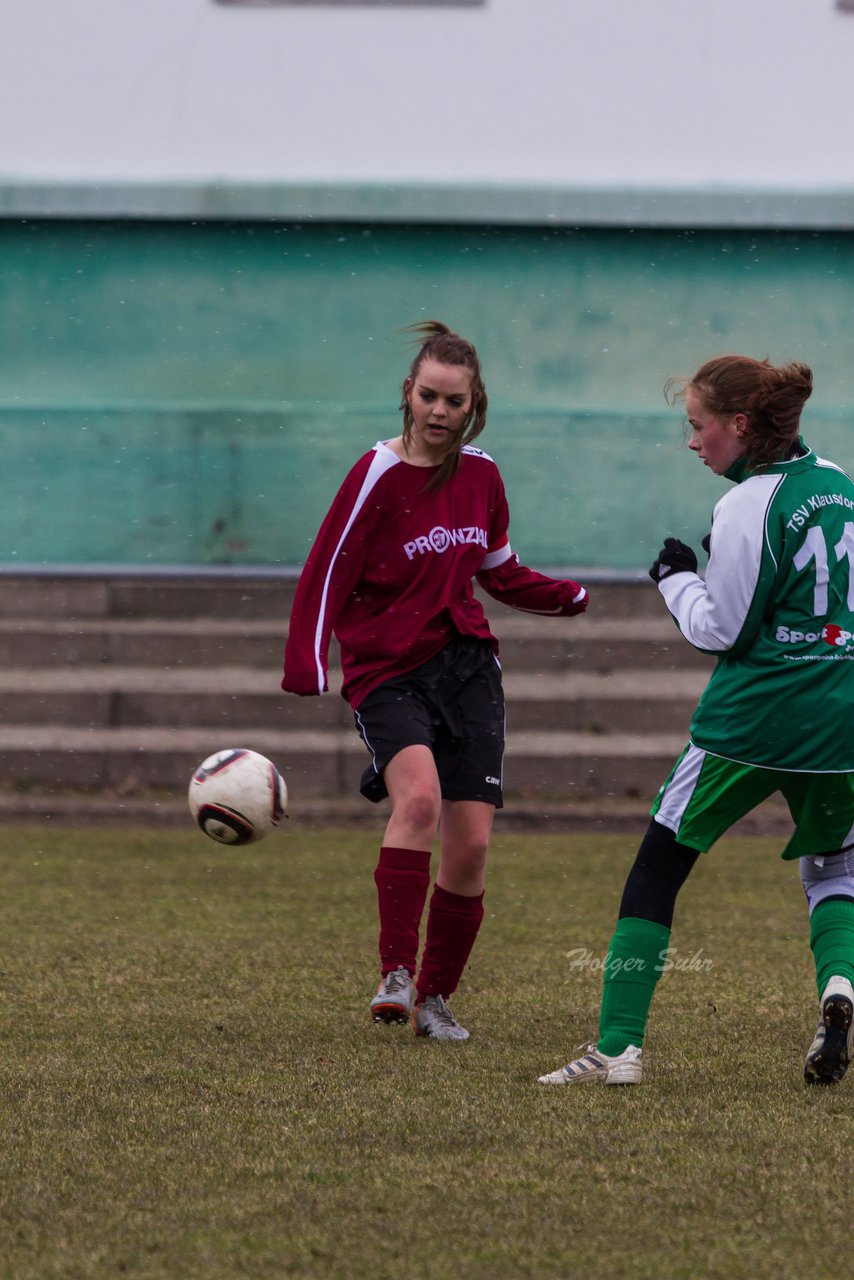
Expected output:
(494, 558)
(380, 463)
(712, 612)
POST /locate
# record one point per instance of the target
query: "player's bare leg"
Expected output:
(416, 799)
(466, 827)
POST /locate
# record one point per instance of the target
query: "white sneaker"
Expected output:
(830, 1052)
(623, 1068)
(395, 997)
(434, 1018)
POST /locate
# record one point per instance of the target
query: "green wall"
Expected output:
(192, 393)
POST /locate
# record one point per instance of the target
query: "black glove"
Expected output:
(706, 544)
(674, 557)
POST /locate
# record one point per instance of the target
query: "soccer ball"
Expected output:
(237, 796)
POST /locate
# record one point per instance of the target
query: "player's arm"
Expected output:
(504, 578)
(722, 612)
(331, 571)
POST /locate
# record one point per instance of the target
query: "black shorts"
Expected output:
(453, 704)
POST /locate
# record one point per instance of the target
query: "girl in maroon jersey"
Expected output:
(391, 575)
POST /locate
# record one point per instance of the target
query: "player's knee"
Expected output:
(419, 808)
(472, 853)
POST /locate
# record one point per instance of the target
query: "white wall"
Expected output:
(756, 93)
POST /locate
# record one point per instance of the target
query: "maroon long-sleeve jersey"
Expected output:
(391, 573)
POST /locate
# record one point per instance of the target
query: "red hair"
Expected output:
(771, 398)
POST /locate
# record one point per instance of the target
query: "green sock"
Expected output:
(832, 940)
(632, 969)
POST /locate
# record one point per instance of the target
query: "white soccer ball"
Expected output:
(237, 796)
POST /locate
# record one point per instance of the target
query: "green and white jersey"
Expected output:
(777, 607)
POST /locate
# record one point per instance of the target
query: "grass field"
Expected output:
(191, 1086)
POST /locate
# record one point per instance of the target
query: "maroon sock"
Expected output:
(453, 922)
(402, 878)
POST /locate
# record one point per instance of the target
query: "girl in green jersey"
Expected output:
(776, 607)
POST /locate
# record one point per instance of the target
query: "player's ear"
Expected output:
(742, 422)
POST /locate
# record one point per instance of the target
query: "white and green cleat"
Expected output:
(623, 1068)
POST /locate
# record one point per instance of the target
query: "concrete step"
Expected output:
(558, 765)
(234, 594)
(634, 700)
(110, 696)
(590, 644)
(161, 642)
(117, 686)
(118, 595)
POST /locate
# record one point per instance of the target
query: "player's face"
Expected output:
(717, 442)
(440, 397)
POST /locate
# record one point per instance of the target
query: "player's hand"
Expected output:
(674, 557)
(706, 544)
